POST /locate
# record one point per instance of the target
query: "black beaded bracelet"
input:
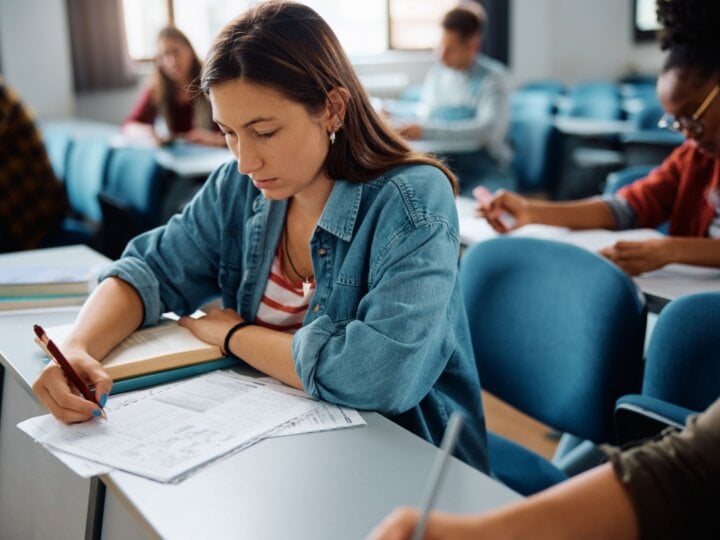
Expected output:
(226, 344)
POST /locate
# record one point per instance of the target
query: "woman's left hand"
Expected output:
(638, 257)
(214, 326)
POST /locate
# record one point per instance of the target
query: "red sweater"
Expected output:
(677, 191)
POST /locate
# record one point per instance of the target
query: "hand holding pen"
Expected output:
(55, 394)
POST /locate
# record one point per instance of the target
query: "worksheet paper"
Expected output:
(323, 417)
(164, 432)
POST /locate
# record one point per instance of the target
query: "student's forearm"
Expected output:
(269, 351)
(697, 251)
(583, 214)
(592, 505)
(112, 313)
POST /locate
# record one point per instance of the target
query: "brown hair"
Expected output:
(165, 89)
(468, 20)
(290, 48)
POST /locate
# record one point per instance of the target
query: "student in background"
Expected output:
(465, 97)
(664, 489)
(32, 199)
(332, 245)
(172, 107)
(685, 188)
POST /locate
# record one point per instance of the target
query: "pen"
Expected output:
(67, 368)
(436, 473)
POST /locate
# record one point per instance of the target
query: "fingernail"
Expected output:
(97, 412)
(103, 400)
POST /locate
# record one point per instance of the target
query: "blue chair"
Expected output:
(558, 333)
(58, 141)
(682, 369)
(600, 100)
(131, 198)
(535, 145)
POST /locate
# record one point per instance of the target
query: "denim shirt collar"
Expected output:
(341, 209)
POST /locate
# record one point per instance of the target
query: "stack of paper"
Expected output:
(166, 432)
(44, 286)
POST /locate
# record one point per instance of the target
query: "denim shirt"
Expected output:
(386, 329)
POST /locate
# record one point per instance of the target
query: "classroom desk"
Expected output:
(39, 496)
(659, 287)
(191, 160)
(336, 484)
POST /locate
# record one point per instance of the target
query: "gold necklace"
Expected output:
(305, 279)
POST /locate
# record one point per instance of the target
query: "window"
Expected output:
(366, 27)
(645, 22)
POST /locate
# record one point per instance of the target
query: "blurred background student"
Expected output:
(171, 106)
(465, 97)
(32, 199)
(685, 189)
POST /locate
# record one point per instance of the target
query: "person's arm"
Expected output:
(268, 351)
(637, 257)
(583, 214)
(591, 505)
(661, 489)
(113, 312)
(139, 124)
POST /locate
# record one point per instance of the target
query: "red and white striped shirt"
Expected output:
(283, 306)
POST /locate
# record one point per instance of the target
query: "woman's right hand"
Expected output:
(63, 400)
(505, 211)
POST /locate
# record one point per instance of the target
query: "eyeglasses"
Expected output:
(691, 125)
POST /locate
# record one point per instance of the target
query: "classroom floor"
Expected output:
(511, 423)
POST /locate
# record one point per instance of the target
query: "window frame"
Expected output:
(170, 8)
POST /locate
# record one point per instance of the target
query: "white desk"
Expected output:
(659, 287)
(324, 485)
(189, 160)
(592, 127)
(39, 497)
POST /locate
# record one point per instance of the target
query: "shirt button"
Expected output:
(322, 252)
(316, 308)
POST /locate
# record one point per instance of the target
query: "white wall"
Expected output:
(569, 40)
(574, 40)
(36, 59)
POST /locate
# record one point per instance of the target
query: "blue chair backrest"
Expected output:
(58, 141)
(600, 100)
(682, 363)
(557, 331)
(549, 86)
(85, 175)
(535, 143)
(532, 104)
(135, 178)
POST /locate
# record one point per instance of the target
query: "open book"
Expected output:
(164, 347)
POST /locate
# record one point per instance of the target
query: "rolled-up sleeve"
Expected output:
(674, 483)
(402, 336)
(175, 267)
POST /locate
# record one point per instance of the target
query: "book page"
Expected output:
(165, 432)
(163, 346)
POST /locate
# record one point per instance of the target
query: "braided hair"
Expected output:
(690, 34)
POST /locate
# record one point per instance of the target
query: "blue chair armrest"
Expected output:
(639, 417)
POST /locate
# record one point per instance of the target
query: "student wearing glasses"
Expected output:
(333, 246)
(685, 188)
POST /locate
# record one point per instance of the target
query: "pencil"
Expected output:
(437, 472)
(66, 366)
